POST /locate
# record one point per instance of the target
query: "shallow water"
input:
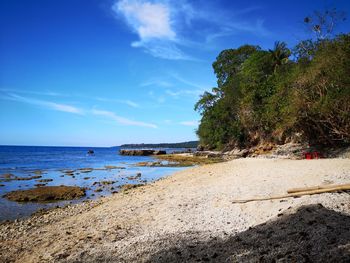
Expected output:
(23, 161)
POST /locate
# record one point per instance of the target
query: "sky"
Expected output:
(108, 72)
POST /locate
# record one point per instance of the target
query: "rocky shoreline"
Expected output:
(172, 220)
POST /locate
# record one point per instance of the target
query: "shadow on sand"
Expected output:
(312, 234)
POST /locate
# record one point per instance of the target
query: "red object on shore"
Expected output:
(308, 155)
(312, 155)
(317, 155)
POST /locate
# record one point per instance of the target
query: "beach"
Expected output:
(190, 216)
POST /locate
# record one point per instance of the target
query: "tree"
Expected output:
(280, 54)
(323, 23)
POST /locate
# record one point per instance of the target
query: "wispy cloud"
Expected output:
(34, 92)
(163, 26)
(45, 104)
(189, 92)
(127, 102)
(185, 81)
(156, 82)
(189, 123)
(153, 23)
(122, 120)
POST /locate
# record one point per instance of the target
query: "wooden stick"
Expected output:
(303, 189)
(310, 192)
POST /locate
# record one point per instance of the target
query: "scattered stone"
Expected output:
(47, 193)
(107, 182)
(98, 190)
(44, 180)
(39, 185)
(238, 153)
(86, 178)
(110, 167)
(86, 170)
(126, 187)
(39, 172)
(7, 176)
(25, 178)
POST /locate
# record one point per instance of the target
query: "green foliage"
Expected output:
(324, 93)
(265, 96)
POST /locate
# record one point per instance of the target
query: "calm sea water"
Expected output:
(23, 161)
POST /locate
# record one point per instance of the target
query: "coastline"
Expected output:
(193, 206)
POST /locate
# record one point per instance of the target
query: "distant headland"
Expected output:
(190, 144)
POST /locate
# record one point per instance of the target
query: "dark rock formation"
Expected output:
(141, 152)
(47, 193)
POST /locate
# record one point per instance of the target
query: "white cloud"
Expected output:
(46, 104)
(120, 119)
(189, 123)
(149, 20)
(154, 24)
(166, 27)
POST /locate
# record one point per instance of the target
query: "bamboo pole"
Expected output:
(344, 187)
(303, 189)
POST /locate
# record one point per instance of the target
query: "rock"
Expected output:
(98, 190)
(47, 193)
(44, 180)
(159, 152)
(214, 155)
(126, 187)
(138, 175)
(68, 171)
(86, 170)
(110, 167)
(136, 152)
(107, 182)
(200, 148)
(27, 178)
(7, 176)
(208, 154)
(38, 172)
(238, 153)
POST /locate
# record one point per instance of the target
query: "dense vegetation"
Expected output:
(190, 144)
(280, 94)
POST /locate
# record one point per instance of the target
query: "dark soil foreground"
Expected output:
(313, 234)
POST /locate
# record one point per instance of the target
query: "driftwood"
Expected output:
(300, 192)
(303, 189)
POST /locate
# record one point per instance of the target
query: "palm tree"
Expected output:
(280, 54)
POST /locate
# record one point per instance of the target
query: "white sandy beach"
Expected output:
(154, 222)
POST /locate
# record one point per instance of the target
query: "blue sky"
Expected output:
(103, 72)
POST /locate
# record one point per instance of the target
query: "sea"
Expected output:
(26, 161)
